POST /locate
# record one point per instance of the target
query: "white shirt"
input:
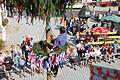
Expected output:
(14, 51)
(78, 46)
(97, 52)
(92, 54)
(2, 57)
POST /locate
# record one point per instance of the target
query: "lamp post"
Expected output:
(84, 14)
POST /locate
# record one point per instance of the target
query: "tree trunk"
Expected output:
(3, 30)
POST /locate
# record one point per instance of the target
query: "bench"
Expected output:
(108, 37)
(101, 42)
(118, 53)
(109, 33)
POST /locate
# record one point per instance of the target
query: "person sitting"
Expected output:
(110, 55)
(97, 54)
(112, 27)
(8, 62)
(21, 63)
(96, 38)
(103, 53)
(116, 43)
(115, 51)
(92, 56)
(2, 67)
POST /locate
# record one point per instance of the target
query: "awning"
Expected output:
(113, 18)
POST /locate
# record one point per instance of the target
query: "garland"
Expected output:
(39, 8)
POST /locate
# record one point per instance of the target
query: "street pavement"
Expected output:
(16, 33)
(67, 73)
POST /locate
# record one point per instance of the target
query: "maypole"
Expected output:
(41, 9)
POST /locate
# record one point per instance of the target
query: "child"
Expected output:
(21, 63)
(92, 56)
(87, 56)
(33, 65)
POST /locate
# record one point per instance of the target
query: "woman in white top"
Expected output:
(97, 54)
(92, 55)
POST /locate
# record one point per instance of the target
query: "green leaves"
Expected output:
(39, 7)
(1, 44)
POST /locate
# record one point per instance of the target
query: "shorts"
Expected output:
(33, 66)
(22, 68)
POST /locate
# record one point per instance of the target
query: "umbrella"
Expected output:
(107, 18)
(100, 30)
(113, 18)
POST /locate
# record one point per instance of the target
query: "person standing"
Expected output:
(28, 41)
(26, 54)
(31, 42)
(100, 16)
(13, 51)
(23, 47)
(110, 11)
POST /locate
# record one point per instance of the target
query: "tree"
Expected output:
(39, 8)
(42, 9)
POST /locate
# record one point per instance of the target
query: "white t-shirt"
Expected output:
(2, 57)
(92, 54)
(78, 46)
(14, 51)
(97, 52)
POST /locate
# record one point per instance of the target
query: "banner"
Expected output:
(104, 73)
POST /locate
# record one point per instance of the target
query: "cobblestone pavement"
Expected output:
(15, 34)
(67, 73)
(64, 74)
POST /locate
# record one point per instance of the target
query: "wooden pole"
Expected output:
(48, 33)
(48, 40)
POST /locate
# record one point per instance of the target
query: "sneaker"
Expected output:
(109, 62)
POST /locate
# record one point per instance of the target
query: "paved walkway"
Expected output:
(15, 35)
(68, 73)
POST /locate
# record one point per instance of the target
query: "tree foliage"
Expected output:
(39, 8)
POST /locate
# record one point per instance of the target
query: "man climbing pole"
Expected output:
(61, 39)
(59, 42)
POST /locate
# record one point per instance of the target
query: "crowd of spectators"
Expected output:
(82, 54)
